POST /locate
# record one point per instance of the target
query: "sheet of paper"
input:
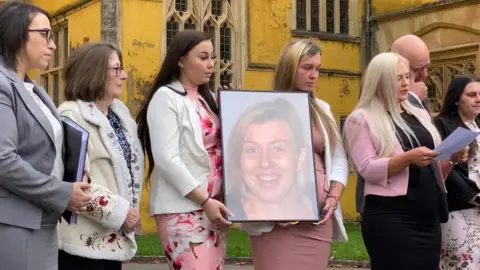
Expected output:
(458, 140)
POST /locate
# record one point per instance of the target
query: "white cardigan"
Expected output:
(99, 233)
(181, 162)
(336, 168)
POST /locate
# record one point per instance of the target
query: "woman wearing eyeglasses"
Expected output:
(32, 193)
(103, 236)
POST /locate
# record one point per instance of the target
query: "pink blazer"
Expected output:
(364, 152)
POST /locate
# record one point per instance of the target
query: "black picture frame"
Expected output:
(254, 113)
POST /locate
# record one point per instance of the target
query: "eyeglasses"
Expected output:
(118, 70)
(47, 33)
(420, 69)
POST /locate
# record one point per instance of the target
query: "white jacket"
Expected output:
(336, 168)
(98, 233)
(181, 162)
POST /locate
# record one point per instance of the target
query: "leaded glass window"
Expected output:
(214, 17)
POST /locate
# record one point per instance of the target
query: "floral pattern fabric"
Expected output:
(130, 167)
(122, 140)
(461, 234)
(99, 232)
(189, 240)
(461, 241)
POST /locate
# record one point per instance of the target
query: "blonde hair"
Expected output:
(284, 80)
(378, 99)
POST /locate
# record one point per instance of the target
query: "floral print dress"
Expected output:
(461, 234)
(189, 240)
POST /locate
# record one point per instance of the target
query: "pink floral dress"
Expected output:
(188, 239)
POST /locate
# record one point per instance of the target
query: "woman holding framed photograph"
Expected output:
(298, 70)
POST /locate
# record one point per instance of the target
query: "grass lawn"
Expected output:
(238, 245)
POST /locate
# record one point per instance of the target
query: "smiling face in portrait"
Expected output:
(198, 65)
(307, 73)
(402, 80)
(469, 102)
(270, 160)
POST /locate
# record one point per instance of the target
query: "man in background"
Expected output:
(416, 52)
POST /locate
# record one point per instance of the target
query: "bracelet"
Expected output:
(452, 163)
(201, 205)
(334, 197)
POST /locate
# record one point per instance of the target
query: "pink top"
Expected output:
(318, 148)
(209, 123)
(364, 151)
(319, 152)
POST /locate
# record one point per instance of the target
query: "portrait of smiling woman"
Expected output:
(268, 165)
(32, 193)
(306, 245)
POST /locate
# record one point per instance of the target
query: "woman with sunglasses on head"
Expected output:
(104, 236)
(32, 193)
(179, 127)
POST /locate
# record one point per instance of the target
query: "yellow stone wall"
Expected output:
(142, 51)
(83, 23)
(80, 29)
(52, 6)
(385, 6)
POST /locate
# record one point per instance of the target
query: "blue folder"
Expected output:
(75, 151)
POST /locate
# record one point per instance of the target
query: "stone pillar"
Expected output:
(374, 44)
(110, 21)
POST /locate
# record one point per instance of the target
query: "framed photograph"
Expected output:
(268, 164)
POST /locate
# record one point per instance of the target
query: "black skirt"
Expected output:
(404, 232)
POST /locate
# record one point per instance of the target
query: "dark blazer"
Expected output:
(460, 189)
(359, 192)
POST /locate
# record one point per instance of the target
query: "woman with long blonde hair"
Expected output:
(391, 141)
(306, 245)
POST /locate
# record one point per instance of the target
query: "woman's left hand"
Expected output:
(461, 156)
(330, 206)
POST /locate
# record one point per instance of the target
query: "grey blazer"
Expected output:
(27, 155)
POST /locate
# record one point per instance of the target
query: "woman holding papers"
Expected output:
(461, 234)
(103, 236)
(179, 127)
(33, 194)
(390, 142)
(306, 245)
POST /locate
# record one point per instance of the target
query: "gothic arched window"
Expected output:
(329, 16)
(217, 19)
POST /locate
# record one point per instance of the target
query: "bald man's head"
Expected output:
(416, 52)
